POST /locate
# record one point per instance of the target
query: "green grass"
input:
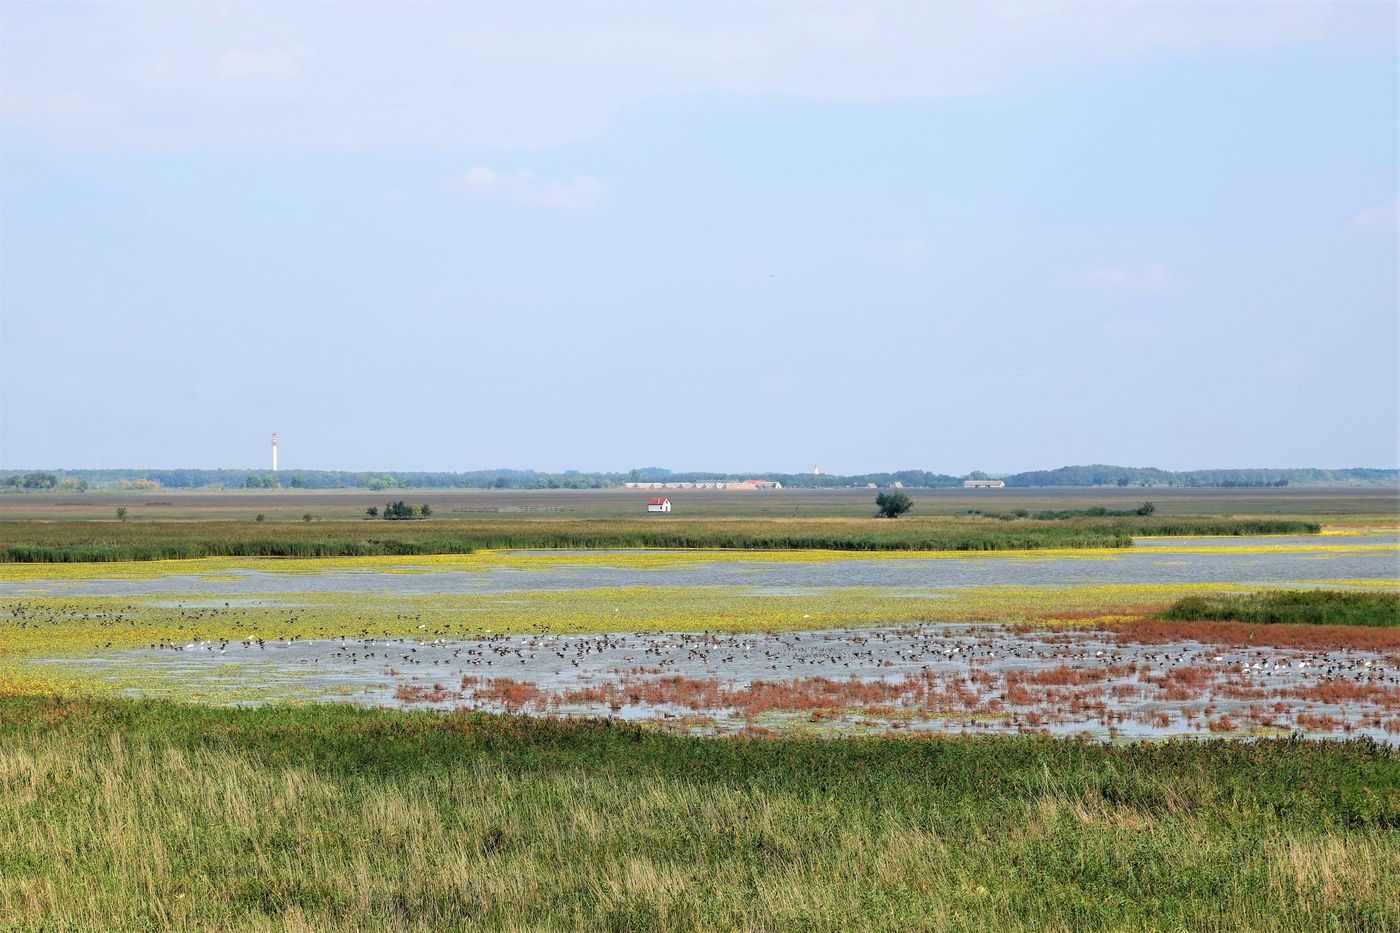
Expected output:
(1291, 607)
(1350, 504)
(128, 815)
(55, 542)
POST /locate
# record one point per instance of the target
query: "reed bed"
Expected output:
(1290, 607)
(123, 815)
(60, 542)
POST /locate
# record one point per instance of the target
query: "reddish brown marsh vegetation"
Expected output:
(1244, 634)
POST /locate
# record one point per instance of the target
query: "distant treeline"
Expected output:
(1092, 475)
(1103, 475)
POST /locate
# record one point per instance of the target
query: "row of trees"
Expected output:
(35, 480)
(1106, 475)
(1091, 475)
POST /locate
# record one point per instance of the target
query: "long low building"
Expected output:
(748, 484)
(983, 484)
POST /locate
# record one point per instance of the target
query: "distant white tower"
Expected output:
(274, 452)
(816, 471)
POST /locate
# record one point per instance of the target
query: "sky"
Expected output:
(760, 237)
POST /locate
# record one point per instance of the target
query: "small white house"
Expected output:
(658, 505)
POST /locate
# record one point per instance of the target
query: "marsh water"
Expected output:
(940, 677)
(1266, 560)
(947, 678)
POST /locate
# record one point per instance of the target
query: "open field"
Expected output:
(1329, 504)
(61, 542)
(153, 816)
(43, 527)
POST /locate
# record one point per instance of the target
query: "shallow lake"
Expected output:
(886, 677)
(1260, 560)
(948, 678)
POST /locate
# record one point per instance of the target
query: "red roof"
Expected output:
(657, 501)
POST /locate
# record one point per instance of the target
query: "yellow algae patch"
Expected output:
(1343, 584)
(1264, 548)
(495, 560)
(33, 629)
(1379, 528)
(222, 567)
(79, 624)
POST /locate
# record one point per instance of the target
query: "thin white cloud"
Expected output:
(25, 106)
(1378, 219)
(1151, 279)
(223, 68)
(906, 254)
(274, 64)
(580, 193)
(1135, 330)
(449, 77)
(1286, 364)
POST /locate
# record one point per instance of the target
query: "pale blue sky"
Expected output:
(705, 237)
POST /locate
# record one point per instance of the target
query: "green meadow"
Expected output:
(62, 542)
(132, 815)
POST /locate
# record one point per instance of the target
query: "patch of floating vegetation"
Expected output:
(1263, 548)
(500, 560)
(1355, 583)
(961, 678)
(225, 568)
(77, 624)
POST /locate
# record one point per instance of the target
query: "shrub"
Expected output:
(892, 504)
(1291, 607)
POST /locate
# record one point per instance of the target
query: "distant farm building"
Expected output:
(658, 505)
(748, 484)
(983, 484)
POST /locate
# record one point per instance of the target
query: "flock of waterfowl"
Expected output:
(944, 677)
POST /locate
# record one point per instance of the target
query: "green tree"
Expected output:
(1147, 508)
(892, 504)
(372, 511)
(121, 513)
(978, 474)
(35, 480)
(424, 510)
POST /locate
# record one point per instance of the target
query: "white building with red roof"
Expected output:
(658, 505)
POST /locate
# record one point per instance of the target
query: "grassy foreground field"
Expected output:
(124, 815)
(60, 542)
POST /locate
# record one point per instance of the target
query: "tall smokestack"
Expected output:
(274, 452)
